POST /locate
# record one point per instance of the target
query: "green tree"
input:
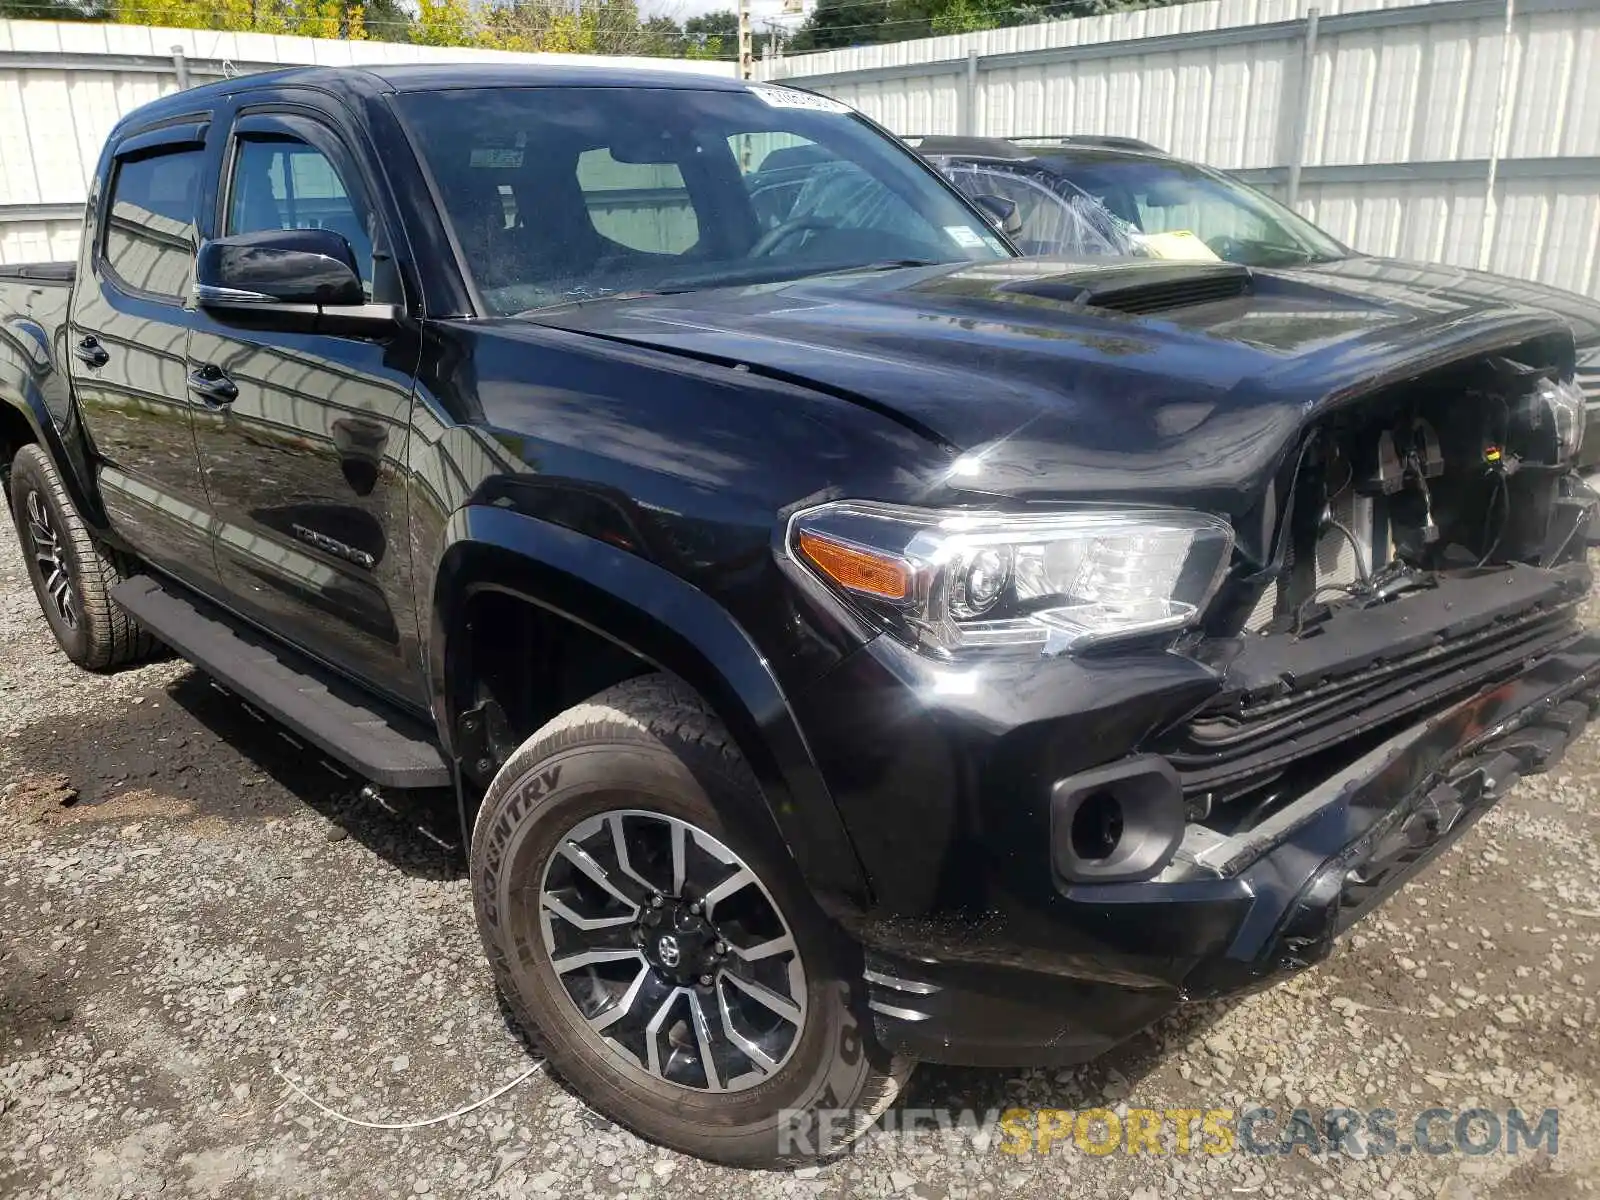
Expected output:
(834, 24)
(444, 23)
(56, 10)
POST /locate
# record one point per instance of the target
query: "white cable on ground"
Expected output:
(460, 1112)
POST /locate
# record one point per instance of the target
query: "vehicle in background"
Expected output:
(845, 641)
(1088, 196)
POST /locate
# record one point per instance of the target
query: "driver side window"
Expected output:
(287, 184)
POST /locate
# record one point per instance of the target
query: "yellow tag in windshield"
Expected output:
(1179, 244)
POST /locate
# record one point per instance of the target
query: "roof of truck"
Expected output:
(429, 77)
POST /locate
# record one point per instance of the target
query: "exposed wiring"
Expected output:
(1300, 611)
(1501, 498)
(1355, 548)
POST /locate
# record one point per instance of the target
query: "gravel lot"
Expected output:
(192, 911)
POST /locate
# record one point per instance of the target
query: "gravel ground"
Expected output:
(192, 913)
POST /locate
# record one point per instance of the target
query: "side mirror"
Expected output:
(290, 272)
(1002, 213)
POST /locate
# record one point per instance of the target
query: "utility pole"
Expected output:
(746, 64)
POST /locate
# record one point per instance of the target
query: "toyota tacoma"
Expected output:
(847, 642)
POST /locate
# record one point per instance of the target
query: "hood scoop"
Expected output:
(1140, 290)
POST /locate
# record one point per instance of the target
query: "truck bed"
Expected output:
(41, 272)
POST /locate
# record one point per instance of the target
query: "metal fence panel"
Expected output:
(1393, 132)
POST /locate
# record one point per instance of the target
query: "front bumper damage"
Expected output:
(1230, 914)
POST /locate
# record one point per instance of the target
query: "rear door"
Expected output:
(303, 445)
(128, 336)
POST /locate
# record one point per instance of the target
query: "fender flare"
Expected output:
(72, 466)
(666, 622)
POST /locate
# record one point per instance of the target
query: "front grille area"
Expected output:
(1247, 741)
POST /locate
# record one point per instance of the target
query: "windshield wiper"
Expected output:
(887, 264)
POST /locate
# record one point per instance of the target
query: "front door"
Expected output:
(303, 442)
(127, 337)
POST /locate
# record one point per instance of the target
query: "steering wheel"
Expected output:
(1224, 247)
(783, 231)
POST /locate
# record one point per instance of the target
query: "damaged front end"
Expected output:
(1431, 540)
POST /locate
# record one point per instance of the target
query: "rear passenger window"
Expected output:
(149, 241)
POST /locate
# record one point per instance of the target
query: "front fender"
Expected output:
(666, 622)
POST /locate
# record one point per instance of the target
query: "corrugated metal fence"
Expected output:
(1381, 116)
(63, 85)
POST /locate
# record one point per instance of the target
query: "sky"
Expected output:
(681, 10)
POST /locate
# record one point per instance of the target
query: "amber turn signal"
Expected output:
(857, 569)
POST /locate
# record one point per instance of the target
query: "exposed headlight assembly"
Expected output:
(954, 581)
(1560, 409)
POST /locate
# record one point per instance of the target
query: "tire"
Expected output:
(72, 573)
(631, 767)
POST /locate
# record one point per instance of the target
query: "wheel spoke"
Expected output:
(593, 958)
(624, 1005)
(558, 906)
(652, 1032)
(767, 949)
(763, 1061)
(766, 997)
(702, 1037)
(680, 853)
(738, 881)
(619, 847)
(579, 857)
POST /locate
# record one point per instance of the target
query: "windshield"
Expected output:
(567, 194)
(1082, 204)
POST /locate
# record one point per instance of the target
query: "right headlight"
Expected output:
(953, 581)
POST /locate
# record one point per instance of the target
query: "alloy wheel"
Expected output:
(672, 951)
(47, 552)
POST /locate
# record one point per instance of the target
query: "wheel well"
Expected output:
(15, 433)
(523, 665)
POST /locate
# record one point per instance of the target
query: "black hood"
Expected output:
(1043, 378)
(1435, 282)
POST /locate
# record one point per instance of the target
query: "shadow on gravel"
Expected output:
(1101, 1083)
(416, 831)
(194, 742)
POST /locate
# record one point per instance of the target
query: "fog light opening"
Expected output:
(1123, 821)
(1097, 827)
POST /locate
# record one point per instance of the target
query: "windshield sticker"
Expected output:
(964, 236)
(782, 97)
(496, 158)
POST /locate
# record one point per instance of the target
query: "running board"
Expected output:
(370, 737)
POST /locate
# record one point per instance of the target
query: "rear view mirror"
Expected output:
(1002, 213)
(284, 271)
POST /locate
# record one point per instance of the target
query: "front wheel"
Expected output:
(677, 975)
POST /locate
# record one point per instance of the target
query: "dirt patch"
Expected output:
(34, 803)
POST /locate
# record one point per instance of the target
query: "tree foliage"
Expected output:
(562, 26)
(835, 24)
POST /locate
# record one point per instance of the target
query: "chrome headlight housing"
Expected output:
(1565, 407)
(956, 581)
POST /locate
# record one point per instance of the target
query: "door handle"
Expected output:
(90, 352)
(211, 384)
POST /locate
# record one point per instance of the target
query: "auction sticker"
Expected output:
(782, 97)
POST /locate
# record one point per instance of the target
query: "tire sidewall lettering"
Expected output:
(528, 790)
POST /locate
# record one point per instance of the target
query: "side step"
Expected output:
(374, 740)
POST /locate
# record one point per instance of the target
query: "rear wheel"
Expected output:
(72, 573)
(674, 970)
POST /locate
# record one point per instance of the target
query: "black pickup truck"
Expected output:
(847, 642)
